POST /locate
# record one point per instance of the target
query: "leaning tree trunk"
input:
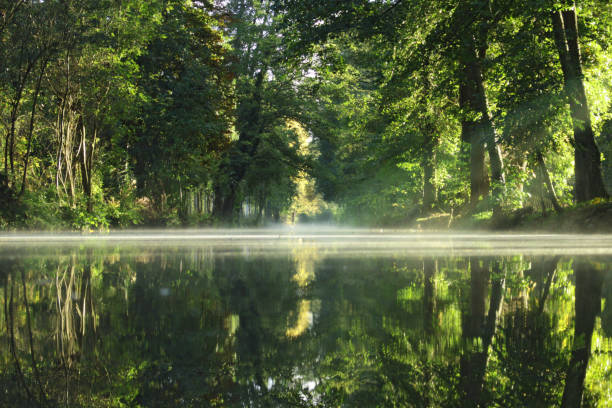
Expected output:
(9, 143)
(31, 127)
(478, 131)
(473, 20)
(587, 160)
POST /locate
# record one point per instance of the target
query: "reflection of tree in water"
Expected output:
(58, 308)
(533, 364)
(374, 314)
(89, 342)
(196, 328)
(479, 328)
(529, 353)
(589, 280)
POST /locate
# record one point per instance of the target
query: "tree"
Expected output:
(589, 182)
(477, 127)
(267, 90)
(187, 106)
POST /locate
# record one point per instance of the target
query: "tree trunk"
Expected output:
(589, 282)
(429, 174)
(9, 144)
(198, 198)
(224, 203)
(545, 177)
(431, 140)
(238, 160)
(479, 181)
(477, 127)
(497, 168)
(85, 164)
(31, 128)
(587, 159)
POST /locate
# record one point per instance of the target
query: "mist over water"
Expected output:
(304, 317)
(332, 239)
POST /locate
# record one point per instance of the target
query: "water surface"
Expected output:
(330, 318)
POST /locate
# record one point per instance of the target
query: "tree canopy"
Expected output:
(183, 112)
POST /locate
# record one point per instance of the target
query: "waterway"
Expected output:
(305, 318)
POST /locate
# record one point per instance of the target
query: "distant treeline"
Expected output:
(179, 112)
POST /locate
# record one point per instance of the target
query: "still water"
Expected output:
(346, 318)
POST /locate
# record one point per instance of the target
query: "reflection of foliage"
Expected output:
(197, 327)
(531, 360)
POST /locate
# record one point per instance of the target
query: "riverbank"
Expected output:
(583, 218)
(593, 217)
(587, 218)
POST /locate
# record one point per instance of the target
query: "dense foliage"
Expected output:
(462, 106)
(180, 112)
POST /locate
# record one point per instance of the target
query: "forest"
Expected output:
(125, 113)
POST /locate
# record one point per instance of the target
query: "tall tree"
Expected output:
(471, 22)
(267, 89)
(188, 105)
(587, 158)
